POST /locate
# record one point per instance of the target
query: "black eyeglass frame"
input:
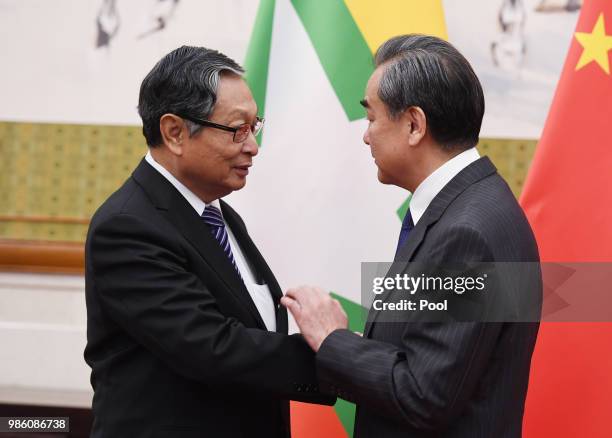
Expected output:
(255, 129)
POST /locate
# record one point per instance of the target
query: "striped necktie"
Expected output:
(214, 220)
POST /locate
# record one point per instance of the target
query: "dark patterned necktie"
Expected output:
(407, 226)
(214, 220)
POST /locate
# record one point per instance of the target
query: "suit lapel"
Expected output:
(473, 173)
(180, 213)
(260, 268)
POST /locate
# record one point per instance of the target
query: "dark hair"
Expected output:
(430, 73)
(184, 81)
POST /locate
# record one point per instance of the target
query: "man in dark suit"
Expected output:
(411, 378)
(185, 333)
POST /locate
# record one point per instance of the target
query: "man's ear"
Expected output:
(173, 129)
(417, 121)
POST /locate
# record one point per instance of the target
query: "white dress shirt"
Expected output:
(260, 293)
(435, 182)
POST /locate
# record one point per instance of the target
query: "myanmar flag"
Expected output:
(568, 199)
(308, 63)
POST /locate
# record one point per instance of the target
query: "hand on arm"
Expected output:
(317, 314)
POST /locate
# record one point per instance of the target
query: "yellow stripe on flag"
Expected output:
(383, 19)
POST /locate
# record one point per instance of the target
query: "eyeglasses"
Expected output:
(241, 133)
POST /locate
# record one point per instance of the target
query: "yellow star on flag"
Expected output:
(596, 46)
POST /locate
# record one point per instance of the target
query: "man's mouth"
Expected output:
(243, 169)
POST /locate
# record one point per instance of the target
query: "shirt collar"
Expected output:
(435, 182)
(197, 204)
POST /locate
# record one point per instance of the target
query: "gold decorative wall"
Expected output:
(54, 176)
(511, 157)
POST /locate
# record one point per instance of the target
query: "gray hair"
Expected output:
(430, 73)
(185, 81)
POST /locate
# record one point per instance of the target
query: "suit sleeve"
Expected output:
(427, 379)
(143, 284)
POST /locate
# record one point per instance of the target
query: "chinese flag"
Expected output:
(568, 200)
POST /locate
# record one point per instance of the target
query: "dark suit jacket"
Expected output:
(176, 345)
(445, 379)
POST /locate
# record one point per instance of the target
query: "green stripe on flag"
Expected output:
(403, 209)
(357, 317)
(346, 413)
(342, 50)
(257, 58)
(356, 314)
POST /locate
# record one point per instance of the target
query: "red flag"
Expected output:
(568, 200)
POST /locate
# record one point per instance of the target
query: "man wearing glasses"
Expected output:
(185, 335)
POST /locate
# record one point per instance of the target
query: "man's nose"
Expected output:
(366, 137)
(250, 145)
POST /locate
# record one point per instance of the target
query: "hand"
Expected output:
(316, 313)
